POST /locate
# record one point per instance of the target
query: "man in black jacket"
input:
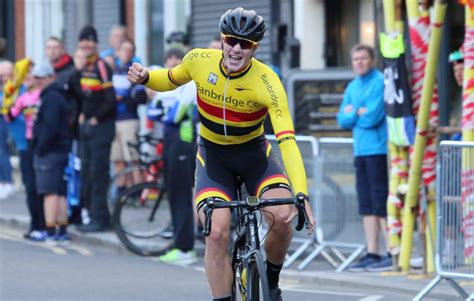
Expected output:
(96, 130)
(51, 147)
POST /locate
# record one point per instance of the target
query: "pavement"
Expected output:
(13, 212)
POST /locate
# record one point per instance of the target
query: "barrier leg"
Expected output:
(350, 259)
(425, 291)
(458, 288)
(297, 253)
(310, 257)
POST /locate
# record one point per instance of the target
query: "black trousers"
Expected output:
(179, 159)
(33, 201)
(95, 143)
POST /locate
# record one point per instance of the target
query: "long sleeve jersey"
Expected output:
(232, 107)
(369, 129)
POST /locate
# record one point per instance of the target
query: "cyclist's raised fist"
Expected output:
(137, 74)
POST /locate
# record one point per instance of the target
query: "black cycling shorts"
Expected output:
(218, 166)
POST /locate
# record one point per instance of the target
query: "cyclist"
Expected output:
(235, 93)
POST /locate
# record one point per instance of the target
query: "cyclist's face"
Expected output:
(236, 58)
(362, 62)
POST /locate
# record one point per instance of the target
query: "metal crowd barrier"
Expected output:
(455, 216)
(331, 184)
(308, 147)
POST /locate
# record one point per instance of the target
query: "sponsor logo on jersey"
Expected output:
(212, 78)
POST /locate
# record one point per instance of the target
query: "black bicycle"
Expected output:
(250, 277)
(149, 166)
(141, 213)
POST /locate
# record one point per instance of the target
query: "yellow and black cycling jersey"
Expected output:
(232, 107)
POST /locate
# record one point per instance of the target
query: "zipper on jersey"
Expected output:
(223, 106)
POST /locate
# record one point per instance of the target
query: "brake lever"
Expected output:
(208, 208)
(302, 217)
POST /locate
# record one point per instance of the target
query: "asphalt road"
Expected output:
(36, 271)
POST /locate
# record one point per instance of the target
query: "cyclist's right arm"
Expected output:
(169, 79)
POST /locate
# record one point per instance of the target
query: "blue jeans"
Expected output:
(5, 165)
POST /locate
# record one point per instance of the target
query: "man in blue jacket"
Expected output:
(362, 111)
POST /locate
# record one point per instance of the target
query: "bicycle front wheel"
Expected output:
(251, 281)
(140, 216)
(257, 281)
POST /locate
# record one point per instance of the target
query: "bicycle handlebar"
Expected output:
(254, 203)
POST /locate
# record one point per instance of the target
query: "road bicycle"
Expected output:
(250, 277)
(141, 213)
(149, 167)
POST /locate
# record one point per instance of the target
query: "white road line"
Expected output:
(14, 236)
(312, 291)
(371, 298)
(82, 251)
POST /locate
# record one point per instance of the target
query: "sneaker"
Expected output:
(275, 294)
(51, 240)
(363, 263)
(35, 235)
(178, 257)
(167, 232)
(63, 239)
(6, 190)
(386, 264)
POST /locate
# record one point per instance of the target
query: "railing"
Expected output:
(331, 184)
(455, 216)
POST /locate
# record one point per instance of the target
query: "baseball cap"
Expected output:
(42, 70)
(456, 56)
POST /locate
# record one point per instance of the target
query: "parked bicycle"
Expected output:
(250, 277)
(140, 212)
(149, 167)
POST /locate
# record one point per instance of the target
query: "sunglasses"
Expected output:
(244, 44)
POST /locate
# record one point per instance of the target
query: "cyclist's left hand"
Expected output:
(309, 213)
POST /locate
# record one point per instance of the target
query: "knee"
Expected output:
(280, 223)
(217, 241)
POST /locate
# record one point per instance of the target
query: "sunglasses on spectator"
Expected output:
(233, 40)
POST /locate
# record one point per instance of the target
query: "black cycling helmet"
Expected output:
(243, 23)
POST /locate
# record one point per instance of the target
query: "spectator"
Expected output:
(175, 110)
(51, 147)
(178, 39)
(58, 58)
(3, 48)
(362, 111)
(118, 34)
(6, 182)
(127, 123)
(63, 65)
(454, 128)
(97, 130)
(25, 107)
(215, 43)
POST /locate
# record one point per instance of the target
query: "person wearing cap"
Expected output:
(51, 146)
(96, 97)
(235, 93)
(454, 130)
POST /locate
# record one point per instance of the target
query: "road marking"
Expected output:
(313, 291)
(12, 236)
(371, 298)
(82, 251)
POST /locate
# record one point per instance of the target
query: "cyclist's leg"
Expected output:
(216, 259)
(214, 180)
(266, 179)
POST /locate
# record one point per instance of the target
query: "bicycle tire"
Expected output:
(257, 279)
(251, 283)
(139, 217)
(111, 188)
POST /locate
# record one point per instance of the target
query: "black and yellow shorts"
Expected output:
(217, 167)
